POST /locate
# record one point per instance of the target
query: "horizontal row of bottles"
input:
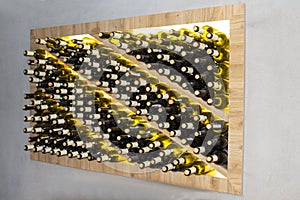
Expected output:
(91, 108)
(174, 160)
(207, 80)
(157, 102)
(91, 102)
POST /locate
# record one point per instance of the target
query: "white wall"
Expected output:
(271, 164)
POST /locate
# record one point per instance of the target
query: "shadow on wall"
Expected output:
(188, 197)
(177, 197)
(83, 198)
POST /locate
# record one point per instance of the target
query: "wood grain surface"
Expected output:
(234, 13)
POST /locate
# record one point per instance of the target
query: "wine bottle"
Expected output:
(187, 39)
(172, 167)
(218, 126)
(162, 142)
(220, 40)
(218, 157)
(66, 120)
(222, 70)
(38, 53)
(198, 168)
(218, 142)
(87, 43)
(185, 158)
(146, 58)
(169, 95)
(219, 54)
(84, 154)
(32, 138)
(170, 125)
(219, 102)
(74, 153)
(179, 165)
(173, 149)
(62, 152)
(213, 142)
(47, 149)
(144, 164)
(38, 95)
(137, 143)
(202, 93)
(28, 147)
(111, 156)
(206, 33)
(104, 35)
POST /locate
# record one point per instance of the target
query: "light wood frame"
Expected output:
(234, 13)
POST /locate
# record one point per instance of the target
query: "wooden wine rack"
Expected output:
(221, 170)
(230, 180)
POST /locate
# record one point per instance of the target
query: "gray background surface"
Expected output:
(271, 162)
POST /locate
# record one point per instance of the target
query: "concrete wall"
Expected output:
(272, 108)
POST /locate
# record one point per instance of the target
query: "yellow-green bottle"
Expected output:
(185, 159)
(198, 168)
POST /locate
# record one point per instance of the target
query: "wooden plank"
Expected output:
(234, 13)
(236, 108)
